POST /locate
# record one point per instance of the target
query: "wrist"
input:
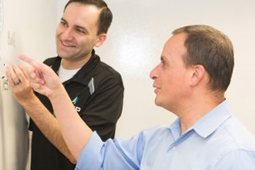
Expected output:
(57, 94)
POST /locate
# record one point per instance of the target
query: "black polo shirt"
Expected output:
(96, 91)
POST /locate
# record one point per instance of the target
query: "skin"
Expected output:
(45, 81)
(76, 36)
(180, 89)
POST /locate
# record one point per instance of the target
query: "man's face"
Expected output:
(76, 34)
(171, 76)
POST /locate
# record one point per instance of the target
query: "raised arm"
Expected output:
(43, 80)
(46, 122)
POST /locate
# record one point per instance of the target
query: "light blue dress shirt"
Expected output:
(218, 141)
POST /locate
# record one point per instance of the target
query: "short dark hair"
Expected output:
(211, 48)
(105, 17)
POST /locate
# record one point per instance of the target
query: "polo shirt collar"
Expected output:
(82, 76)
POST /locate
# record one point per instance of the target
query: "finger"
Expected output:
(23, 69)
(29, 60)
(36, 65)
(38, 88)
(40, 68)
(35, 86)
(12, 76)
(20, 74)
(28, 71)
(32, 76)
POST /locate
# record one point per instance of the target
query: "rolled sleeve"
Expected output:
(109, 155)
(90, 158)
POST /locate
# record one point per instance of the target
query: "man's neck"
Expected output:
(73, 64)
(196, 110)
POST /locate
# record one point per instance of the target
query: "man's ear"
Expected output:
(198, 74)
(100, 40)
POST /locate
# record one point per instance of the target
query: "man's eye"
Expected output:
(63, 23)
(80, 31)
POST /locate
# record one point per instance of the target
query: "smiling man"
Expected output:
(95, 89)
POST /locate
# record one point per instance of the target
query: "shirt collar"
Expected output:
(175, 129)
(207, 124)
(212, 120)
(85, 73)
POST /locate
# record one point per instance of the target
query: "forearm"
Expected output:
(45, 81)
(76, 133)
(48, 125)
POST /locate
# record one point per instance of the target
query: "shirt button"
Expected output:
(174, 148)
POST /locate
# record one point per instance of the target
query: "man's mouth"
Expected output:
(66, 44)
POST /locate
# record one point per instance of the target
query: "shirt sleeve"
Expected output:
(90, 157)
(237, 160)
(112, 154)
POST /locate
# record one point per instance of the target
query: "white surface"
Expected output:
(136, 38)
(134, 44)
(1, 22)
(15, 136)
(29, 28)
(1, 106)
(1, 135)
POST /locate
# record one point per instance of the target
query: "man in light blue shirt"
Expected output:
(190, 81)
(216, 141)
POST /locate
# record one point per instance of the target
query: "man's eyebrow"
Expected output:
(82, 28)
(62, 19)
(77, 26)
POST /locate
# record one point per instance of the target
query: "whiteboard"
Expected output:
(27, 27)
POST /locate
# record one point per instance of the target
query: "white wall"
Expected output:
(134, 44)
(136, 38)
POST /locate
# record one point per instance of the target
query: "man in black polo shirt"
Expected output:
(95, 88)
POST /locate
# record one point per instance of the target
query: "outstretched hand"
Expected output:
(42, 78)
(45, 81)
